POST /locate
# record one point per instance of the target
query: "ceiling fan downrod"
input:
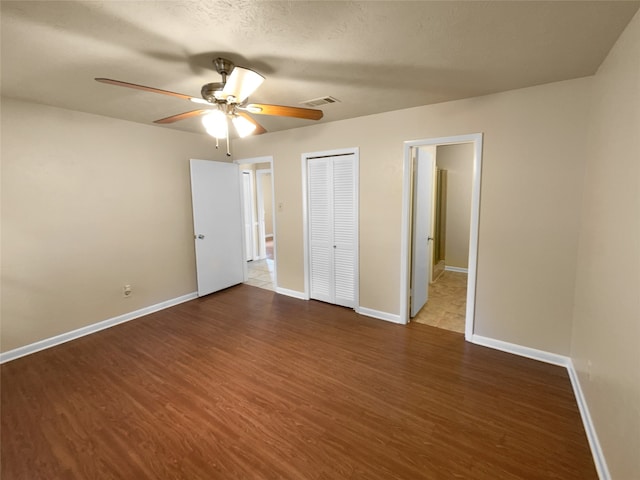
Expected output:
(223, 67)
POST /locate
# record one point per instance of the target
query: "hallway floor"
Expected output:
(261, 274)
(261, 271)
(447, 303)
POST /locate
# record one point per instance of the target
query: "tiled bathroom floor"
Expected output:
(447, 303)
(261, 274)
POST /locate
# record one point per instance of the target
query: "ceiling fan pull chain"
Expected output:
(228, 151)
(217, 144)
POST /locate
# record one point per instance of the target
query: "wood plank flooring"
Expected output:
(248, 384)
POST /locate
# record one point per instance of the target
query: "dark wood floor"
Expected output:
(248, 384)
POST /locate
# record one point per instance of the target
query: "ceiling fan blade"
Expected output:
(259, 128)
(283, 111)
(147, 89)
(182, 116)
(241, 83)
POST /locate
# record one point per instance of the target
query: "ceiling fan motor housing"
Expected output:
(209, 91)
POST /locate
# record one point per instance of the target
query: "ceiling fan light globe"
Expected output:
(215, 123)
(243, 126)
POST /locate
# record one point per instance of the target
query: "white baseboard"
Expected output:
(95, 327)
(533, 353)
(292, 293)
(456, 269)
(594, 443)
(389, 317)
(561, 360)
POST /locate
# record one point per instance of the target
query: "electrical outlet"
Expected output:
(127, 291)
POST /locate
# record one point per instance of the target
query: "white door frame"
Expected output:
(262, 248)
(405, 247)
(267, 159)
(248, 203)
(305, 217)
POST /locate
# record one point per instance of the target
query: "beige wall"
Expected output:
(89, 204)
(528, 218)
(60, 167)
(457, 160)
(255, 166)
(606, 327)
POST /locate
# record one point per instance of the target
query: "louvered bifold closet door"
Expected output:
(319, 172)
(344, 230)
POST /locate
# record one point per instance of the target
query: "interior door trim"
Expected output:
(266, 159)
(405, 246)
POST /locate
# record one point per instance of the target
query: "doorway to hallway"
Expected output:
(261, 272)
(418, 238)
(260, 228)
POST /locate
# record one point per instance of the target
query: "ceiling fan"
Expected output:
(230, 99)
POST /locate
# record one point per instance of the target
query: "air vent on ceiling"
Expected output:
(316, 102)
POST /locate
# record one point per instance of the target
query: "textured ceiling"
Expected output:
(372, 56)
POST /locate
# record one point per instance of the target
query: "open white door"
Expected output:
(218, 224)
(423, 175)
(247, 191)
(262, 176)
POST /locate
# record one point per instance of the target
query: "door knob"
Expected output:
(200, 236)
